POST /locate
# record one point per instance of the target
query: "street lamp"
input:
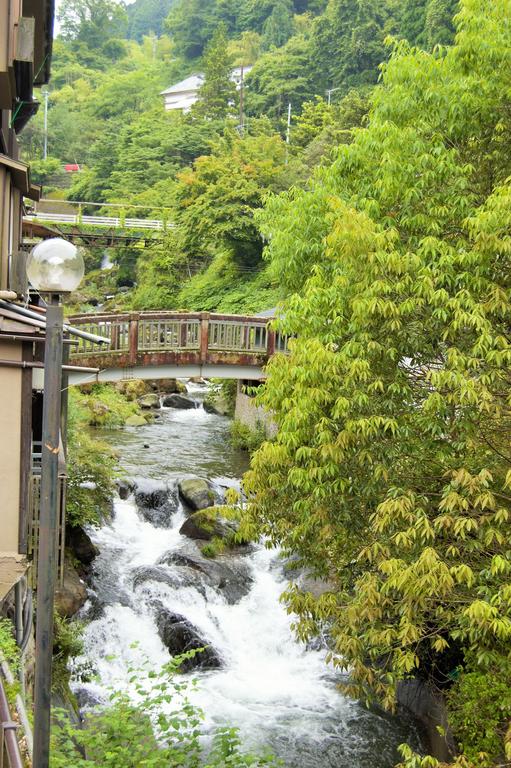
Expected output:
(54, 267)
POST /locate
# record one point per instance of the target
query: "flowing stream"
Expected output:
(279, 693)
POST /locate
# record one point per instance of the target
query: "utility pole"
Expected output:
(242, 106)
(329, 94)
(288, 131)
(46, 95)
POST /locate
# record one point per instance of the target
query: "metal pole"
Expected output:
(288, 132)
(45, 148)
(242, 106)
(47, 560)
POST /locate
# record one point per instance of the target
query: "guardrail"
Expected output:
(99, 221)
(155, 337)
(10, 755)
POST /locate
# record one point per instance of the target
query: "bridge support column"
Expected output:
(133, 346)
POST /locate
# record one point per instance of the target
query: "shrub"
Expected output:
(164, 730)
(480, 713)
(246, 438)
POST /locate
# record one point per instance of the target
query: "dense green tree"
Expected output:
(147, 16)
(439, 24)
(217, 94)
(348, 42)
(191, 24)
(321, 128)
(92, 22)
(279, 27)
(279, 78)
(413, 22)
(217, 199)
(389, 475)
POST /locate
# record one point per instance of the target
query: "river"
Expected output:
(279, 693)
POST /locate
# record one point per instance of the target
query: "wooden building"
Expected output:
(26, 35)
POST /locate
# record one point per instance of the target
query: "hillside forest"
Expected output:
(209, 171)
(381, 220)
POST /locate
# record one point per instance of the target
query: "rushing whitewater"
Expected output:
(277, 692)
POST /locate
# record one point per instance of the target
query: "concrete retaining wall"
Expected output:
(251, 415)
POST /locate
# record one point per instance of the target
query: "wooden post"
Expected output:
(184, 334)
(270, 341)
(204, 337)
(133, 346)
(114, 337)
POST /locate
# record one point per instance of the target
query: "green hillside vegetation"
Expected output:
(210, 170)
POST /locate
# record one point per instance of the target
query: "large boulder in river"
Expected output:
(196, 493)
(146, 402)
(232, 578)
(219, 404)
(179, 636)
(156, 504)
(125, 488)
(135, 421)
(205, 525)
(175, 578)
(168, 386)
(179, 401)
(71, 595)
(81, 545)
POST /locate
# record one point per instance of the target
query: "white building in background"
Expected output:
(184, 94)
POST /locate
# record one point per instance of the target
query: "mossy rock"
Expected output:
(208, 525)
(149, 401)
(133, 388)
(135, 421)
(196, 493)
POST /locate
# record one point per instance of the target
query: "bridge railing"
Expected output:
(137, 335)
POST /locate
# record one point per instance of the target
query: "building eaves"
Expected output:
(192, 83)
(36, 317)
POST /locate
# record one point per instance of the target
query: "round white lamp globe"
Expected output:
(55, 266)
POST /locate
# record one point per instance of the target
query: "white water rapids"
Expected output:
(277, 692)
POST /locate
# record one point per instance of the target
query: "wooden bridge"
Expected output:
(159, 345)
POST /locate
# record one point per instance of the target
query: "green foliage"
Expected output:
(214, 548)
(390, 472)
(222, 392)
(348, 42)
(102, 405)
(279, 26)
(216, 200)
(226, 287)
(9, 650)
(480, 713)
(246, 438)
(191, 24)
(217, 94)
(439, 25)
(281, 77)
(163, 730)
(91, 468)
(146, 17)
(41, 171)
(92, 22)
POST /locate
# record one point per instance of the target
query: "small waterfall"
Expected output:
(277, 692)
(106, 263)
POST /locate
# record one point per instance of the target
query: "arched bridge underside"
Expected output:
(160, 345)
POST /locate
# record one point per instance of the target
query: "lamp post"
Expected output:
(54, 268)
